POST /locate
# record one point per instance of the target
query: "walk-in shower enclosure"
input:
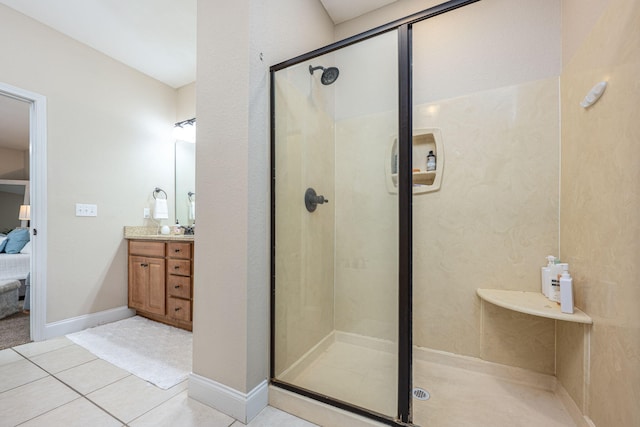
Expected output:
(362, 151)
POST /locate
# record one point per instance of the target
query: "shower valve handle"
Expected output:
(312, 200)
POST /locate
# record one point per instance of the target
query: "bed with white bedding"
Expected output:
(14, 266)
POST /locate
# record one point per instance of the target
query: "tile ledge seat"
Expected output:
(533, 303)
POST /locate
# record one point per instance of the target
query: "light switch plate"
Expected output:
(83, 209)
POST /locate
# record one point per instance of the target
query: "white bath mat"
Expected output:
(157, 353)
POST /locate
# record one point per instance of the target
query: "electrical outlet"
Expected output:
(83, 209)
(146, 213)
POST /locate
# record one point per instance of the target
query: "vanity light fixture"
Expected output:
(185, 130)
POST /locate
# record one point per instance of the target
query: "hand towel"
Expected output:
(192, 210)
(161, 209)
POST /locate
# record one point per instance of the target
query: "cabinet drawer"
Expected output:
(179, 286)
(179, 267)
(180, 250)
(179, 309)
(144, 248)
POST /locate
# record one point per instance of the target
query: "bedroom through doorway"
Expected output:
(22, 216)
(15, 209)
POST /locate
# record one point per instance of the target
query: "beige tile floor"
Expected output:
(58, 383)
(460, 396)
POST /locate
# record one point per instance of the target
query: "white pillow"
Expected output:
(27, 248)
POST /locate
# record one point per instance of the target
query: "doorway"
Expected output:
(34, 168)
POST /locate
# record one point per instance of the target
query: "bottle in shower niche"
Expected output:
(431, 161)
(566, 293)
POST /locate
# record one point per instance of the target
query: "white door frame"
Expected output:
(38, 190)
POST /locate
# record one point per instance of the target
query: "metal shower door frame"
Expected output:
(405, 225)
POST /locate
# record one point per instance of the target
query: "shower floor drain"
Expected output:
(421, 394)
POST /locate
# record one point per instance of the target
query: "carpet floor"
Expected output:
(14, 330)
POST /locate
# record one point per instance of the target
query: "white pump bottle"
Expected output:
(546, 276)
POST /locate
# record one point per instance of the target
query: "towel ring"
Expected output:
(190, 194)
(159, 190)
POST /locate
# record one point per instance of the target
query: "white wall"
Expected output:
(14, 164)
(109, 143)
(186, 108)
(231, 326)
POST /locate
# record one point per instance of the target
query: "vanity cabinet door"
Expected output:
(147, 284)
(161, 281)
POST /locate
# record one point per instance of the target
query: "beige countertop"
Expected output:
(153, 233)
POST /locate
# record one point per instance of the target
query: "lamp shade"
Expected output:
(25, 213)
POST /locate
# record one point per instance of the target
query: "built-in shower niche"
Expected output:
(425, 179)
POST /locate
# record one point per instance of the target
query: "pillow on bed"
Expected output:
(16, 240)
(3, 243)
(27, 248)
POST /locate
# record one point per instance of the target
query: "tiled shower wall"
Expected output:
(496, 215)
(600, 212)
(305, 242)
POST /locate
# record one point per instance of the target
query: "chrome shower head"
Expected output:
(329, 75)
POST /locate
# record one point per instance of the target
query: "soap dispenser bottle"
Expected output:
(545, 276)
(431, 161)
(566, 293)
(555, 281)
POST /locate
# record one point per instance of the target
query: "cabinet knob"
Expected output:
(177, 308)
(177, 267)
(176, 250)
(144, 265)
(177, 286)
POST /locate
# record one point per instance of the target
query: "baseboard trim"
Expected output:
(242, 406)
(79, 323)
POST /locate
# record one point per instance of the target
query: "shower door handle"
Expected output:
(312, 200)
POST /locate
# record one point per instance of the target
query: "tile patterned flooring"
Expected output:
(58, 383)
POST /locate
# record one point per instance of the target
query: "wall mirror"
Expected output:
(185, 173)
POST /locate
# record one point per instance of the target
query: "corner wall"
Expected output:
(231, 323)
(600, 206)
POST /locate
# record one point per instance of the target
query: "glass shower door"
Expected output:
(335, 222)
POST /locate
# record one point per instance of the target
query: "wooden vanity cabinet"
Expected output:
(179, 281)
(161, 281)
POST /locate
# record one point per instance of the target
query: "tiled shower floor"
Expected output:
(462, 394)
